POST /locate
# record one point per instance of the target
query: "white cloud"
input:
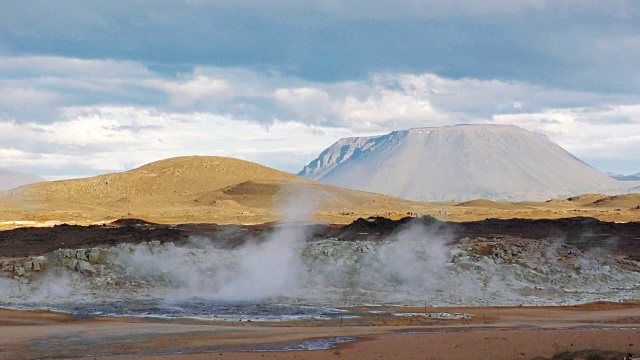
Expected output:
(306, 103)
(197, 90)
(53, 66)
(115, 115)
(611, 132)
(387, 109)
(377, 109)
(119, 138)
(16, 100)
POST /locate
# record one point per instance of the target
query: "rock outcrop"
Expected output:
(23, 268)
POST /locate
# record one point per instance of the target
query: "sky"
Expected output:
(91, 87)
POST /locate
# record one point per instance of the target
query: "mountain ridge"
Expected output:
(12, 179)
(622, 177)
(458, 163)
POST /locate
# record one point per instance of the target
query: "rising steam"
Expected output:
(410, 267)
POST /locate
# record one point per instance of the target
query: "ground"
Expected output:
(491, 333)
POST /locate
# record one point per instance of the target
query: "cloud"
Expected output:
(98, 85)
(36, 88)
(65, 67)
(601, 132)
(374, 107)
(18, 101)
(104, 139)
(377, 9)
(307, 102)
(198, 91)
(571, 44)
(115, 115)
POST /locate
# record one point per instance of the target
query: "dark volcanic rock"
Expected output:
(35, 241)
(584, 233)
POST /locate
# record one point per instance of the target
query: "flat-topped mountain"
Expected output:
(13, 179)
(459, 163)
(195, 189)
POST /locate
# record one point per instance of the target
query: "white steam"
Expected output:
(257, 271)
(269, 269)
(412, 266)
(414, 259)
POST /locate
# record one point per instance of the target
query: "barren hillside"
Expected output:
(459, 163)
(229, 191)
(195, 189)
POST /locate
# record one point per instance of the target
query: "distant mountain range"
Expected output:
(13, 179)
(621, 177)
(459, 163)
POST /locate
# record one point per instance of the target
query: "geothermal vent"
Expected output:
(459, 163)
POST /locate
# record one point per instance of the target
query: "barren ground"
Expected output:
(492, 333)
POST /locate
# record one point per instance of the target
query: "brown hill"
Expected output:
(587, 198)
(483, 203)
(580, 200)
(167, 180)
(627, 201)
(196, 189)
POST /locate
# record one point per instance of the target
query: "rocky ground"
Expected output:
(584, 233)
(134, 288)
(376, 260)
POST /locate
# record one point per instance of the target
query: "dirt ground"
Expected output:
(491, 333)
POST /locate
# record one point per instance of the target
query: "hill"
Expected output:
(13, 179)
(488, 204)
(459, 163)
(628, 201)
(621, 177)
(195, 189)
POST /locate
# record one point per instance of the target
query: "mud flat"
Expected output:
(487, 333)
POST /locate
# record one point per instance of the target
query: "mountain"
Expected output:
(458, 163)
(13, 179)
(195, 189)
(621, 177)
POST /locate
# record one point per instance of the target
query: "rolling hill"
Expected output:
(207, 189)
(195, 189)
